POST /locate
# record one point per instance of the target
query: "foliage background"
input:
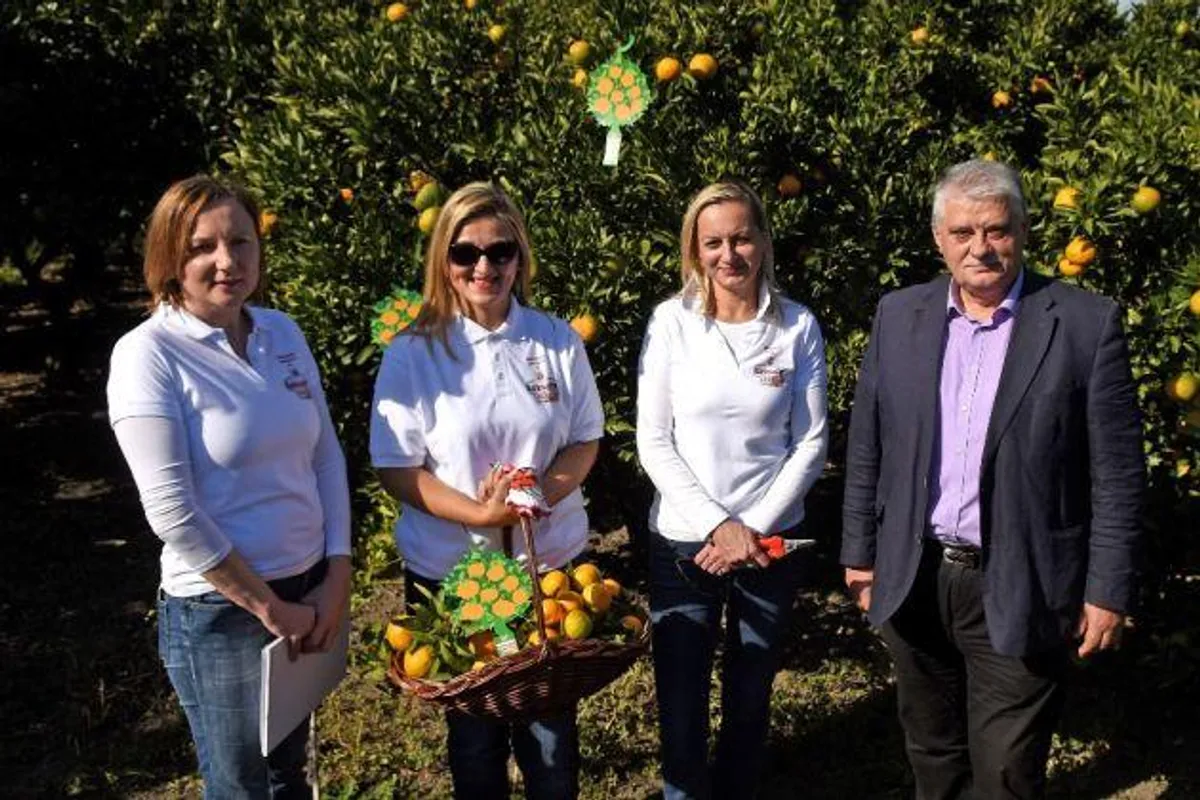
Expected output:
(109, 101)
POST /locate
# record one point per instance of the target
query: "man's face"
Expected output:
(981, 243)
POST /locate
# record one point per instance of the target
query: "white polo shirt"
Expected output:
(228, 453)
(731, 417)
(518, 394)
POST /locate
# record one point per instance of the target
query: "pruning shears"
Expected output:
(776, 547)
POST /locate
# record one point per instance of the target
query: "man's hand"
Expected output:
(732, 545)
(1098, 629)
(859, 583)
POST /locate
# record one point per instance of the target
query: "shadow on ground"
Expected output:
(86, 706)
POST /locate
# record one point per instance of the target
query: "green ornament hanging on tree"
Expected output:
(618, 94)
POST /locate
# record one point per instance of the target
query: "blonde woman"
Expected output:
(731, 430)
(481, 379)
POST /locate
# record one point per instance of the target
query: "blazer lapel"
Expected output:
(1032, 331)
(925, 365)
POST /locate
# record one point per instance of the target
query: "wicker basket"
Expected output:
(535, 682)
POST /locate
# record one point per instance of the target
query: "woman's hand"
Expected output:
(493, 511)
(292, 621)
(331, 601)
(731, 545)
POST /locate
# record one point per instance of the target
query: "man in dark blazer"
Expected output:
(994, 479)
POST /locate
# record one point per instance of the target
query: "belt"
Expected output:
(961, 556)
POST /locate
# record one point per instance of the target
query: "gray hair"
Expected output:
(980, 179)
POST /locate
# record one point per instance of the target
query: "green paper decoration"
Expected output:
(618, 94)
(393, 314)
(487, 590)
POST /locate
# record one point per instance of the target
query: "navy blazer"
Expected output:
(1062, 475)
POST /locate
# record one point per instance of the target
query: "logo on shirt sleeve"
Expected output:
(294, 381)
(543, 387)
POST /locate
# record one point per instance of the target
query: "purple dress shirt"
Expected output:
(972, 360)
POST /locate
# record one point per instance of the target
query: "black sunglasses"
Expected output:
(465, 254)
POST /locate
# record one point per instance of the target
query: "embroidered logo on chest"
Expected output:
(543, 387)
(294, 381)
(768, 374)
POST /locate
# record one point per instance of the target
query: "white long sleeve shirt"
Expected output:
(228, 453)
(731, 417)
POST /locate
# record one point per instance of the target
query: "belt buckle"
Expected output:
(962, 556)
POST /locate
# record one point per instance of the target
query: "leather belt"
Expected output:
(968, 557)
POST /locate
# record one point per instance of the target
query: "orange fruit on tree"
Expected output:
(1145, 199)
(667, 69)
(267, 220)
(1194, 303)
(418, 662)
(702, 66)
(554, 582)
(1041, 85)
(396, 12)
(346, 193)
(919, 36)
(580, 79)
(789, 185)
(1066, 197)
(428, 219)
(398, 636)
(597, 598)
(579, 52)
(1081, 251)
(1069, 268)
(1183, 387)
(587, 327)
(577, 625)
(1001, 99)
(586, 574)
(497, 34)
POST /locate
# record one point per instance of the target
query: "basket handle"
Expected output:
(531, 563)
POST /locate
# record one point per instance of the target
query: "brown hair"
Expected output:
(693, 277)
(169, 232)
(470, 202)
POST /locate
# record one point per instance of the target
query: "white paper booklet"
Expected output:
(291, 690)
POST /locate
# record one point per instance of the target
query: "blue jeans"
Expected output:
(547, 750)
(686, 604)
(211, 649)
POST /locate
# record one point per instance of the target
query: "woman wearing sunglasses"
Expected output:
(482, 379)
(731, 430)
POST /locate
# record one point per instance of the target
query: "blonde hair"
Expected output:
(170, 228)
(471, 202)
(696, 282)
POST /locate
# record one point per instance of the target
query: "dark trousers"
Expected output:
(977, 724)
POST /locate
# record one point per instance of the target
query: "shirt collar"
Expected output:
(475, 333)
(1009, 305)
(180, 319)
